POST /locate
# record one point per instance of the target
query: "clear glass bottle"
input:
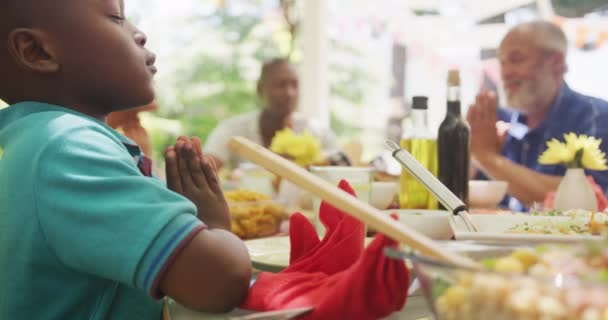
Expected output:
(418, 140)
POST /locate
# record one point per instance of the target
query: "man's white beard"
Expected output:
(523, 98)
(531, 93)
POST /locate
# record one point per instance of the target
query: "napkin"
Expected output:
(602, 202)
(336, 275)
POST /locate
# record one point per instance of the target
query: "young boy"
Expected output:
(84, 234)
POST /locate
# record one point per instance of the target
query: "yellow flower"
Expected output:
(577, 152)
(593, 158)
(573, 142)
(1, 153)
(303, 149)
(556, 153)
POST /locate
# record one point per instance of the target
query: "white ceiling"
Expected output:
(455, 25)
(476, 10)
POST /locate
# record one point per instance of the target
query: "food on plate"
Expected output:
(579, 222)
(254, 214)
(577, 213)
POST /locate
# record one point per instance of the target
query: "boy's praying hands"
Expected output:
(194, 175)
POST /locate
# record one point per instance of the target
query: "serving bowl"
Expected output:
(547, 282)
(383, 193)
(255, 219)
(254, 214)
(486, 193)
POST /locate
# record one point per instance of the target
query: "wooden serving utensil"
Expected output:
(345, 202)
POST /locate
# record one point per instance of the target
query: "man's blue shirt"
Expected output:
(570, 112)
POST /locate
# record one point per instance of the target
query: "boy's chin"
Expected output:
(148, 100)
(145, 98)
(135, 103)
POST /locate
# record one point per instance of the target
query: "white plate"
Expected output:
(434, 224)
(493, 229)
(272, 254)
(269, 254)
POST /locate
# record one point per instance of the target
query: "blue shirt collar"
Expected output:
(22, 109)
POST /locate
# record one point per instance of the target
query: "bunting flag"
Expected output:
(584, 32)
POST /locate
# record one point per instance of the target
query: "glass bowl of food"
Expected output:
(253, 214)
(556, 281)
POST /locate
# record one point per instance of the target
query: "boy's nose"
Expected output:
(150, 58)
(140, 38)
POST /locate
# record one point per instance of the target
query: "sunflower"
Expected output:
(580, 151)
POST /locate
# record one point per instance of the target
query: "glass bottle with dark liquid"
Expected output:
(453, 143)
(421, 143)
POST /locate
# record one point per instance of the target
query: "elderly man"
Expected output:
(278, 89)
(533, 63)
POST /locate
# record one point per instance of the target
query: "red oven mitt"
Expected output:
(334, 275)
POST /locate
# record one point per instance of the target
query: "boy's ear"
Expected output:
(32, 50)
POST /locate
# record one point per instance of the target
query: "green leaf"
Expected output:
(577, 162)
(1, 153)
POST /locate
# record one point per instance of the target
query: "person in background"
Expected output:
(278, 89)
(128, 123)
(506, 144)
(85, 231)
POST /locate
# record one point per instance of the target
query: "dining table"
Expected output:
(271, 254)
(416, 307)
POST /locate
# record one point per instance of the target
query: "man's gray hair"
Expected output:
(546, 35)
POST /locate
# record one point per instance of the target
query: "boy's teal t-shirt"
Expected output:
(83, 234)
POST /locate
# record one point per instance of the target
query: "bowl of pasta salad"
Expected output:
(549, 281)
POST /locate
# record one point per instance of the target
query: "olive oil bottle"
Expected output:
(418, 140)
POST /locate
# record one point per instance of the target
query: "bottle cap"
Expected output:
(420, 102)
(454, 78)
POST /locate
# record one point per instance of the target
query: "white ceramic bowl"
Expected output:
(486, 193)
(383, 193)
(432, 223)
